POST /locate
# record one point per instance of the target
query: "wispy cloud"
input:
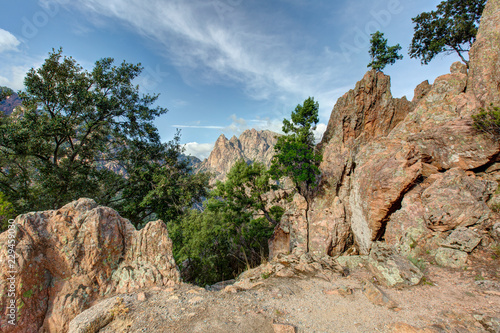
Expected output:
(222, 42)
(8, 42)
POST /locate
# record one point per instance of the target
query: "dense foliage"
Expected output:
(381, 54)
(452, 27)
(231, 233)
(488, 121)
(6, 212)
(90, 134)
(246, 186)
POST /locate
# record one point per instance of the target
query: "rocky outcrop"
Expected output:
(251, 146)
(484, 66)
(68, 258)
(362, 115)
(407, 173)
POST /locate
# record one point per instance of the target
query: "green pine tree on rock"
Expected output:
(296, 155)
(381, 54)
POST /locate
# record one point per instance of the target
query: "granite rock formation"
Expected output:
(252, 146)
(68, 258)
(405, 172)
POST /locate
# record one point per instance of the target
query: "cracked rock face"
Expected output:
(377, 150)
(71, 257)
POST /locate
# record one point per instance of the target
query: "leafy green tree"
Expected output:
(164, 189)
(381, 54)
(296, 154)
(90, 134)
(229, 235)
(451, 28)
(246, 186)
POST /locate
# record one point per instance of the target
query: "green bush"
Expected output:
(488, 121)
(231, 233)
(6, 212)
(219, 242)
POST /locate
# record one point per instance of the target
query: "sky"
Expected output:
(221, 66)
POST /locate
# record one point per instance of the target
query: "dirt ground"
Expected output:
(449, 300)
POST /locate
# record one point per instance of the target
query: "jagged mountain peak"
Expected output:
(251, 145)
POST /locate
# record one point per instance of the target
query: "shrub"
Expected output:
(488, 121)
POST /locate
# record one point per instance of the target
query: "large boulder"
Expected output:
(456, 199)
(66, 259)
(366, 112)
(391, 269)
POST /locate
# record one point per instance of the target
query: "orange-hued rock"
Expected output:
(70, 257)
(484, 64)
(456, 200)
(366, 112)
(377, 150)
(251, 146)
(386, 171)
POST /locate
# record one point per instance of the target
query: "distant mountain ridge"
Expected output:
(8, 105)
(252, 146)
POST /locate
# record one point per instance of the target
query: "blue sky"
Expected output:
(221, 66)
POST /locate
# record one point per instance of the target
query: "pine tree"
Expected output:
(381, 54)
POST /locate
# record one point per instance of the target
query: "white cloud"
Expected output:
(8, 42)
(200, 150)
(319, 131)
(14, 76)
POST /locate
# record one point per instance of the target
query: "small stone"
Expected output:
(342, 291)
(285, 273)
(405, 328)
(458, 68)
(377, 296)
(141, 296)
(306, 258)
(231, 289)
(282, 328)
(352, 261)
(195, 300)
(462, 239)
